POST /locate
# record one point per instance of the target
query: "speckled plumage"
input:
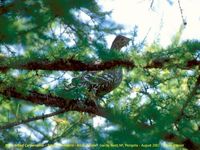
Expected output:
(103, 82)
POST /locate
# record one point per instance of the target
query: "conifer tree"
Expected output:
(46, 45)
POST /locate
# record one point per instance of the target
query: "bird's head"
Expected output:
(119, 42)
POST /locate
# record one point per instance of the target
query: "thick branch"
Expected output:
(160, 63)
(67, 105)
(54, 101)
(76, 65)
(68, 65)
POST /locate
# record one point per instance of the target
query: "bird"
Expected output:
(99, 83)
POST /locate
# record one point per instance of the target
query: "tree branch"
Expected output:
(10, 125)
(161, 63)
(76, 65)
(181, 11)
(188, 100)
(73, 105)
(54, 101)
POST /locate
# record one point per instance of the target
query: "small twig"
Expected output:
(13, 124)
(188, 101)
(9, 50)
(181, 11)
(151, 5)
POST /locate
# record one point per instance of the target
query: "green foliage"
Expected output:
(149, 103)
